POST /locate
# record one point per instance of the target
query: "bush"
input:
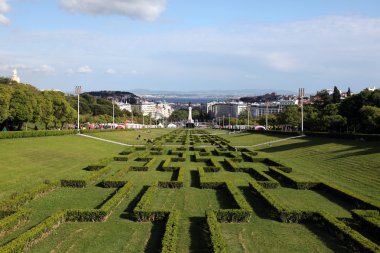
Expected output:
(356, 241)
(285, 177)
(26, 239)
(169, 242)
(74, 183)
(121, 158)
(85, 215)
(39, 133)
(113, 184)
(18, 200)
(116, 198)
(217, 241)
(12, 221)
(369, 219)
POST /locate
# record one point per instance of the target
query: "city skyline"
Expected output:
(173, 45)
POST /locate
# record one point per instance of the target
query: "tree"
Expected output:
(311, 118)
(46, 105)
(5, 98)
(290, 117)
(323, 99)
(336, 95)
(370, 118)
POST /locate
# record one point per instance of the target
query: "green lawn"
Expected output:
(27, 162)
(354, 165)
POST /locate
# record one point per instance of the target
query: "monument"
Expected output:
(14, 77)
(190, 121)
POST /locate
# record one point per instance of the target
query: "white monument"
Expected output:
(190, 121)
(14, 77)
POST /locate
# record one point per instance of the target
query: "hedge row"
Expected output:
(355, 199)
(13, 221)
(121, 158)
(81, 183)
(206, 184)
(178, 183)
(100, 164)
(113, 183)
(234, 166)
(39, 133)
(263, 179)
(217, 241)
(26, 239)
(288, 179)
(279, 212)
(115, 200)
(166, 166)
(85, 215)
(18, 200)
(369, 219)
(169, 242)
(352, 238)
(141, 212)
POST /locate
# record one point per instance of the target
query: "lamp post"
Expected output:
(248, 116)
(301, 94)
(223, 121)
(113, 113)
(229, 120)
(266, 116)
(78, 90)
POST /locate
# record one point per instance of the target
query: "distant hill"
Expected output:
(123, 96)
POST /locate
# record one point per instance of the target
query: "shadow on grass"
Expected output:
(159, 167)
(195, 182)
(331, 242)
(337, 200)
(156, 234)
(174, 175)
(225, 199)
(260, 208)
(128, 212)
(370, 234)
(199, 235)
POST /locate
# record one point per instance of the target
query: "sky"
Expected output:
(183, 45)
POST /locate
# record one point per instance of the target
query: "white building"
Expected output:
(155, 110)
(220, 109)
(14, 76)
(124, 106)
(259, 109)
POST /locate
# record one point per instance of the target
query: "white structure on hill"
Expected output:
(14, 76)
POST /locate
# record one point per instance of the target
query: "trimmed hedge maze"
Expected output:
(197, 193)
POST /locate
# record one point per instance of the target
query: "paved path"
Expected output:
(114, 142)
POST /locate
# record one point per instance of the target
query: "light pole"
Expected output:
(78, 90)
(113, 113)
(143, 120)
(229, 120)
(266, 116)
(248, 116)
(301, 94)
(223, 121)
(132, 114)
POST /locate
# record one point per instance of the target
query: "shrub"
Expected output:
(121, 158)
(369, 219)
(26, 239)
(12, 221)
(288, 179)
(169, 242)
(116, 198)
(217, 241)
(113, 183)
(39, 133)
(85, 215)
(356, 241)
(74, 183)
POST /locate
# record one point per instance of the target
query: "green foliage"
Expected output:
(74, 183)
(26, 239)
(40, 133)
(170, 240)
(369, 219)
(356, 241)
(85, 215)
(114, 201)
(12, 221)
(288, 179)
(217, 241)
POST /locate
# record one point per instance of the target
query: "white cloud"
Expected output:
(281, 61)
(84, 70)
(4, 7)
(137, 9)
(110, 71)
(46, 69)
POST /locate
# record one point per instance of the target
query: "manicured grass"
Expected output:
(351, 164)
(27, 162)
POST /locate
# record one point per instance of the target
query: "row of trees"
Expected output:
(22, 103)
(355, 113)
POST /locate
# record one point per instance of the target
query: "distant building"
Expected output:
(260, 109)
(155, 110)
(14, 76)
(220, 109)
(371, 88)
(124, 106)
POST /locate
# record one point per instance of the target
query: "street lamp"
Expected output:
(113, 113)
(266, 116)
(78, 90)
(248, 116)
(301, 94)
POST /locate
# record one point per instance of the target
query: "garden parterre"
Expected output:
(189, 191)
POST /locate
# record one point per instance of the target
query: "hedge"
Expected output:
(39, 133)
(369, 219)
(81, 183)
(115, 200)
(141, 212)
(13, 221)
(170, 240)
(204, 183)
(217, 241)
(263, 179)
(121, 158)
(20, 199)
(178, 183)
(113, 183)
(26, 239)
(288, 179)
(355, 199)
(352, 238)
(74, 183)
(85, 215)
(279, 212)
(233, 215)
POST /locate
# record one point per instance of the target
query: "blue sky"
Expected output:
(191, 45)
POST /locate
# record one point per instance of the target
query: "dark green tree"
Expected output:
(336, 95)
